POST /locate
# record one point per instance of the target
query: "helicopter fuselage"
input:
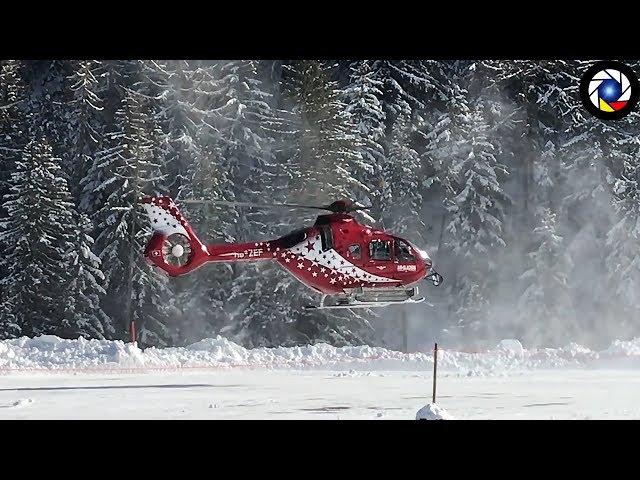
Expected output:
(335, 255)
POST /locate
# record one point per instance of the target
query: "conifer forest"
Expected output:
(528, 205)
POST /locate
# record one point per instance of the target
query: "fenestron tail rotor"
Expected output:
(176, 249)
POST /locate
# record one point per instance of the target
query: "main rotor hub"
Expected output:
(341, 206)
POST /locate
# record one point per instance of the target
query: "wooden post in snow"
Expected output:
(133, 333)
(435, 370)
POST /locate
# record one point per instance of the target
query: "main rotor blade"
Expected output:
(339, 206)
(249, 204)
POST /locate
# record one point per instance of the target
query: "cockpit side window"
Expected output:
(354, 252)
(326, 237)
(380, 250)
(403, 252)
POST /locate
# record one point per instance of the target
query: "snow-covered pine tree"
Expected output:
(262, 315)
(236, 118)
(208, 176)
(534, 103)
(439, 131)
(202, 294)
(321, 163)
(363, 98)
(83, 316)
(546, 93)
(48, 100)
(261, 309)
(401, 193)
(595, 158)
(234, 131)
(475, 228)
(86, 120)
(171, 83)
(622, 259)
(546, 105)
(436, 122)
(409, 85)
(426, 105)
(9, 328)
(325, 139)
(12, 140)
(37, 233)
(111, 89)
(545, 308)
(11, 118)
(134, 291)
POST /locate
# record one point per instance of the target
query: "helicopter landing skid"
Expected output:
(357, 304)
(373, 301)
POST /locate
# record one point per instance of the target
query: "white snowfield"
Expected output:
(49, 377)
(51, 353)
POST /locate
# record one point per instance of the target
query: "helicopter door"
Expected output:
(380, 256)
(379, 250)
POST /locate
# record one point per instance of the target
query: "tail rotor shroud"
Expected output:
(177, 249)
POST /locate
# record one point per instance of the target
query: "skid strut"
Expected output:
(371, 298)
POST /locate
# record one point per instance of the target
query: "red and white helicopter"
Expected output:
(357, 265)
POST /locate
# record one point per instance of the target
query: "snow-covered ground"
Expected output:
(47, 377)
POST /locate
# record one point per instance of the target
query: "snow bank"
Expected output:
(51, 353)
(512, 346)
(433, 411)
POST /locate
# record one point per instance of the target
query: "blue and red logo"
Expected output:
(609, 90)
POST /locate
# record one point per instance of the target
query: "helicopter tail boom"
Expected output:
(230, 252)
(175, 249)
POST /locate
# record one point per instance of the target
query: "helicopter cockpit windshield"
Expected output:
(403, 252)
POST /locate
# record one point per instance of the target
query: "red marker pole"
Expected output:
(435, 369)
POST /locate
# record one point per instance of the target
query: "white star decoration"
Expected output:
(344, 272)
